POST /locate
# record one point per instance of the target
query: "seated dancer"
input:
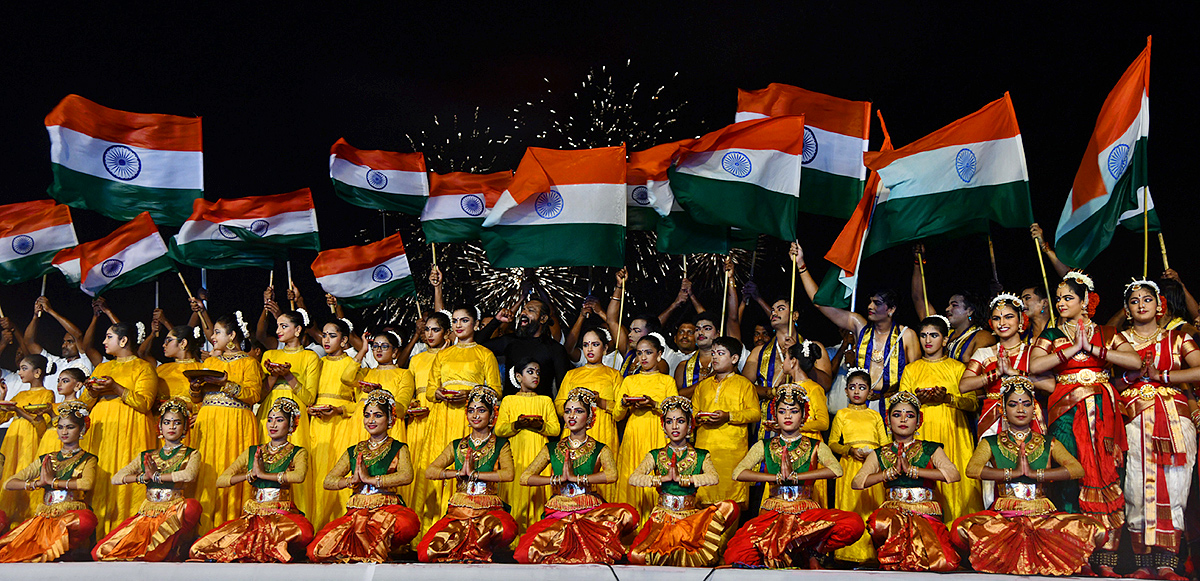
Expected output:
(577, 526)
(62, 522)
(475, 525)
(167, 515)
(376, 524)
(907, 529)
(1022, 533)
(790, 525)
(678, 532)
(271, 528)
(602, 380)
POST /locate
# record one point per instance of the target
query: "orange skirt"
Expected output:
(256, 538)
(467, 534)
(42, 539)
(1052, 544)
(777, 540)
(585, 536)
(150, 537)
(365, 535)
(694, 539)
(910, 541)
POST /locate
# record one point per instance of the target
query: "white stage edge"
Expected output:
(448, 572)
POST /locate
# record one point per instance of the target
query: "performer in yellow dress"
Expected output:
(292, 372)
(387, 375)
(182, 347)
(28, 410)
(726, 406)
(602, 380)
(225, 425)
(426, 426)
(270, 529)
(527, 420)
(62, 522)
(70, 381)
(161, 528)
(934, 380)
(638, 397)
(332, 426)
(798, 362)
(119, 393)
(857, 430)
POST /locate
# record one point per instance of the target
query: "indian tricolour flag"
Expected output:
(238, 232)
(746, 175)
(563, 208)
(953, 180)
(31, 234)
(458, 203)
(1112, 185)
(648, 190)
(67, 262)
(380, 180)
(134, 253)
(835, 138)
(361, 276)
(121, 164)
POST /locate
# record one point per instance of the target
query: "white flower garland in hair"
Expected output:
(1140, 283)
(805, 346)
(944, 320)
(856, 370)
(512, 376)
(661, 340)
(349, 325)
(242, 326)
(603, 333)
(304, 317)
(1081, 278)
(141, 331)
(448, 314)
(1007, 298)
(396, 337)
(196, 332)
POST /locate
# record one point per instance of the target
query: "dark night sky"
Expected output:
(277, 86)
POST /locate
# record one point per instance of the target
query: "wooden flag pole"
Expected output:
(791, 295)
(924, 291)
(724, 296)
(1161, 246)
(185, 286)
(156, 301)
(433, 249)
(291, 301)
(992, 254)
(684, 266)
(1145, 233)
(1, 312)
(1037, 246)
(39, 314)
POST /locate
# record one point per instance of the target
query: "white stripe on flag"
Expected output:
(388, 181)
(285, 224)
(37, 242)
(455, 206)
(133, 256)
(569, 204)
(136, 166)
(837, 154)
(70, 269)
(747, 115)
(357, 282)
(768, 168)
(652, 194)
(987, 163)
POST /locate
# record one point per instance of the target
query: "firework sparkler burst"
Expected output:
(454, 147)
(496, 288)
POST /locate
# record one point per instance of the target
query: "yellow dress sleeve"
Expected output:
(351, 375)
(550, 424)
(492, 371)
(560, 399)
(506, 418)
(401, 471)
(308, 378)
(818, 409)
(835, 435)
(539, 463)
(434, 382)
(241, 465)
(748, 410)
(406, 388)
(1064, 459)
(751, 461)
(619, 410)
(827, 460)
(142, 388)
(29, 472)
(882, 436)
(249, 377)
(643, 476)
(338, 472)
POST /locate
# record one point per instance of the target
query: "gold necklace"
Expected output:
(1144, 339)
(477, 443)
(375, 445)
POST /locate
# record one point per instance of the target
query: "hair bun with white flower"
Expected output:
(1081, 278)
(141, 331)
(349, 325)
(196, 332)
(242, 326)
(304, 315)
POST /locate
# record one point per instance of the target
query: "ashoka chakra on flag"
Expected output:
(1118, 159)
(381, 273)
(964, 164)
(122, 163)
(23, 244)
(736, 163)
(549, 204)
(111, 268)
(810, 146)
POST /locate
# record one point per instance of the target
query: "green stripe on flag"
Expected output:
(737, 204)
(526, 246)
(26, 268)
(140, 274)
(220, 254)
(396, 288)
(954, 212)
(644, 219)
(829, 194)
(678, 233)
(832, 293)
(412, 205)
(120, 201)
(1079, 246)
(453, 230)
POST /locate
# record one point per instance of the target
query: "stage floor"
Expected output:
(421, 572)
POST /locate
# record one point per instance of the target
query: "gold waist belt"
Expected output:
(1083, 377)
(1023, 491)
(571, 489)
(1148, 391)
(272, 495)
(676, 503)
(221, 399)
(791, 493)
(910, 494)
(476, 487)
(57, 496)
(162, 494)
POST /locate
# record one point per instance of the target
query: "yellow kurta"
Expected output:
(526, 501)
(425, 496)
(20, 448)
(818, 422)
(947, 424)
(398, 382)
(330, 437)
(173, 384)
(727, 443)
(643, 433)
(857, 427)
(121, 429)
(306, 367)
(225, 427)
(603, 380)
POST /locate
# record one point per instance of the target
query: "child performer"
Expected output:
(271, 528)
(578, 526)
(527, 420)
(332, 426)
(70, 381)
(638, 396)
(907, 529)
(29, 408)
(678, 532)
(726, 406)
(857, 430)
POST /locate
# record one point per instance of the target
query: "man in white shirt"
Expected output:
(71, 357)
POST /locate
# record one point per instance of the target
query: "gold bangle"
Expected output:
(282, 478)
(1041, 475)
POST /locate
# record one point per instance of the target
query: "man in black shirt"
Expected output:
(531, 338)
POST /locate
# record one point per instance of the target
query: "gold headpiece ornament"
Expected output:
(176, 405)
(1135, 285)
(792, 394)
(287, 406)
(381, 398)
(584, 396)
(676, 402)
(1081, 278)
(1016, 383)
(907, 397)
(485, 394)
(77, 409)
(1007, 299)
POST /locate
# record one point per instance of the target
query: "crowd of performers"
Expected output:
(1016, 436)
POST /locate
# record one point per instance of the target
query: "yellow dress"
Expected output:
(398, 382)
(330, 437)
(818, 422)
(643, 433)
(173, 384)
(425, 496)
(526, 501)
(859, 427)
(306, 367)
(727, 443)
(946, 424)
(20, 448)
(225, 428)
(603, 380)
(122, 428)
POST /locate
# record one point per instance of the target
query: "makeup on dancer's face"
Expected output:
(780, 313)
(722, 359)
(1068, 304)
(931, 339)
(478, 415)
(648, 355)
(1018, 409)
(375, 420)
(877, 308)
(904, 419)
(637, 330)
(1142, 305)
(1005, 321)
(789, 417)
(956, 310)
(332, 339)
(531, 376)
(463, 324)
(26, 371)
(1033, 303)
(675, 423)
(857, 391)
(69, 429)
(706, 331)
(593, 347)
(173, 426)
(435, 335)
(67, 384)
(575, 414)
(382, 350)
(278, 424)
(286, 331)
